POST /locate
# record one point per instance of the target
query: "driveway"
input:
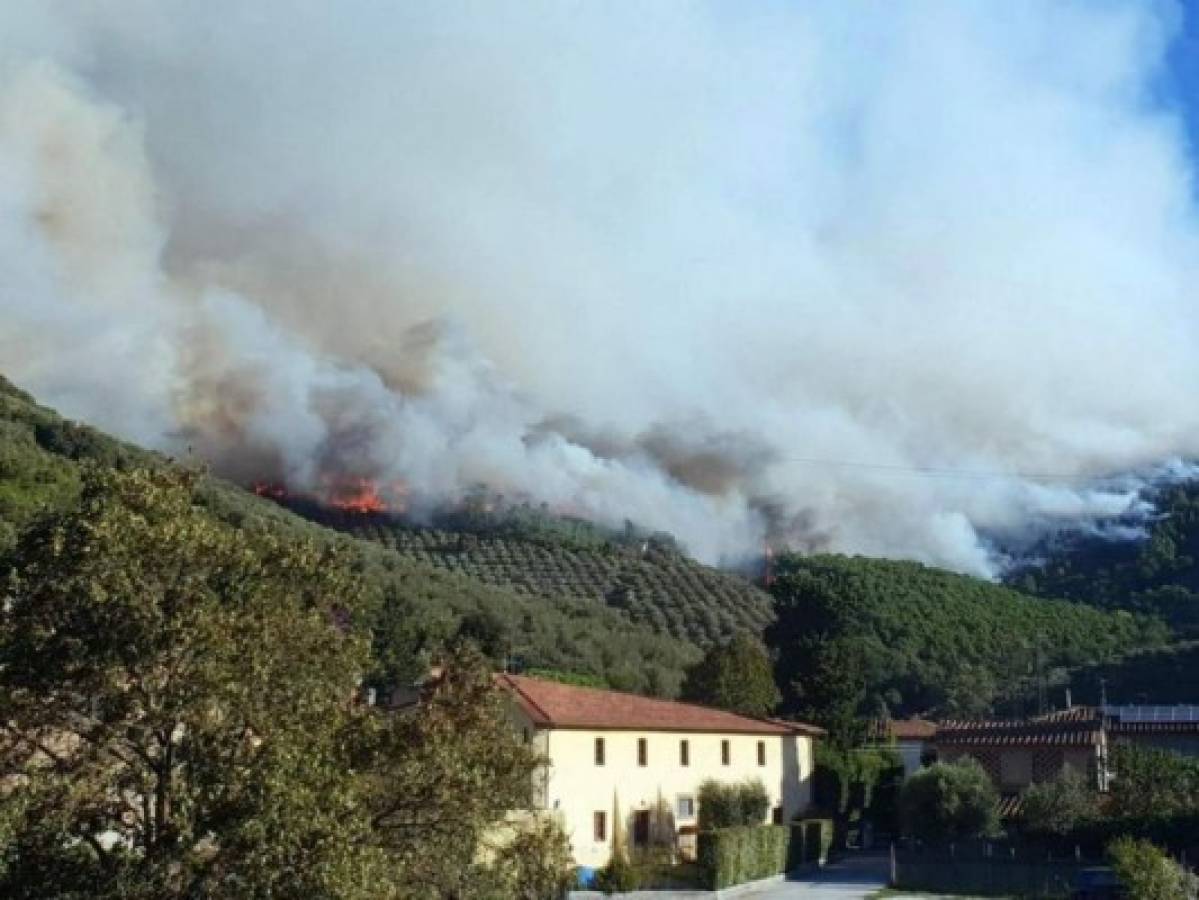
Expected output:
(852, 878)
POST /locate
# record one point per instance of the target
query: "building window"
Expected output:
(761, 753)
(642, 752)
(685, 807)
(684, 753)
(726, 754)
(599, 751)
(599, 826)
(528, 736)
(777, 815)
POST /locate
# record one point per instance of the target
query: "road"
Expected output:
(853, 878)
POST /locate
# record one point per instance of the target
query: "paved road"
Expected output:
(853, 878)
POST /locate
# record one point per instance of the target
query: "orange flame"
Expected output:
(353, 496)
(357, 495)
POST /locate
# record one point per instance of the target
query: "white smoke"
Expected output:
(657, 261)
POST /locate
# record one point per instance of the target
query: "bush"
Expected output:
(1147, 873)
(617, 876)
(724, 805)
(949, 802)
(737, 855)
(1061, 806)
(536, 864)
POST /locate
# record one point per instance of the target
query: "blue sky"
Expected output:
(1183, 74)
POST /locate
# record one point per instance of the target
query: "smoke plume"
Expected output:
(885, 278)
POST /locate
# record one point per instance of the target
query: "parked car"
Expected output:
(1097, 884)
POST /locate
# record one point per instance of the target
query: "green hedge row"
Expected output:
(732, 856)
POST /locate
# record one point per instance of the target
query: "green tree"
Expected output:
(177, 699)
(1149, 874)
(534, 863)
(174, 695)
(1061, 805)
(736, 676)
(821, 668)
(1150, 782)
(439, 777)
(949, 802)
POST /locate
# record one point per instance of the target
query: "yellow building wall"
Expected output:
(575, 788)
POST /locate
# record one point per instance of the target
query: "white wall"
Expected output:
(577, 788)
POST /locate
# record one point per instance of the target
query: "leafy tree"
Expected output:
(178, 720)
(856, 784)
(534, 864)
(736, 676)
(174, 695)
(1060, 806)
(949, 802)
(438, 778)
(820, 667)
(1150, 782)
(1148, 874)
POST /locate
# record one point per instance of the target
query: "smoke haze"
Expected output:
(664, 262)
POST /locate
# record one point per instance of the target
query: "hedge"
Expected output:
(732, 856)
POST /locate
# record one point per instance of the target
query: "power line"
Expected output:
(936, 471)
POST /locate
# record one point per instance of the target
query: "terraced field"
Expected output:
(659, 587)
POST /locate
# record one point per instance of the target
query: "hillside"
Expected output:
(1158, 574)
(415, 605)
(570, 597)
(875, 633)
(649, 581)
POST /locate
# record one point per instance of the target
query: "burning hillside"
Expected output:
(351, 496)
(572, 259)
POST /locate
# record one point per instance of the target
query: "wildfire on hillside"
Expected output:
(353, 496)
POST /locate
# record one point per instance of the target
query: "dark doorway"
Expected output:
(641, 828)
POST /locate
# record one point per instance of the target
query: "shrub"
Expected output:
(1061, 806)
(1147, 873)
(617, 876)
(536, 864)
(737, 855)
(724, 805)
(949, 802)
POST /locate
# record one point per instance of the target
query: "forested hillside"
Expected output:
(414, 605)
(1158, 575)
(860, 636)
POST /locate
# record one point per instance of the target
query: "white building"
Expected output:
(642, 759)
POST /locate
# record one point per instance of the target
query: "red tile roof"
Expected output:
(550, 704)
(903, 730)
(1081, 726)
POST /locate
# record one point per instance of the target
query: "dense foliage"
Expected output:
(1149, 782)
(179, 719)
(747, 853)
(857, 786)
(1060, 806)
(732, 805)
(412, 607)
(1162, 675)
(736, 676)
(858, 636)
(1158, 574)
(949, 802)
(1149, 874)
